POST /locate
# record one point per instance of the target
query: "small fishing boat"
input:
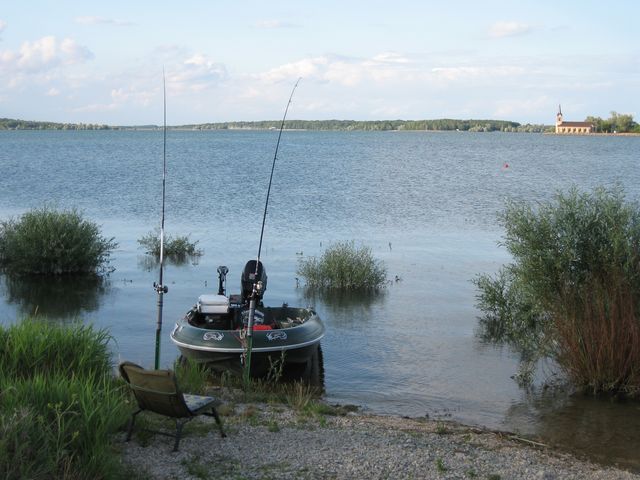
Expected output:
(238, 332)
(214, 330)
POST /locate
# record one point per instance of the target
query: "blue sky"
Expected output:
(101, 62)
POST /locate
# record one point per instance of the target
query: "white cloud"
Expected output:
(391, 57)
(3, 25)
(95, 107)
(508, 29)
(53, 92)
(195, 74)
(274, 24)
(305, 68)
(345, 71)
(518, 108)
(89, 20)
(455, 74)
(44, 54)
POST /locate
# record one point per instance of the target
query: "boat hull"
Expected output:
(294, 340)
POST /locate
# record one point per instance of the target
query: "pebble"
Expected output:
(353, 447)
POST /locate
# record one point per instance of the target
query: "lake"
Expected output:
(425, 202)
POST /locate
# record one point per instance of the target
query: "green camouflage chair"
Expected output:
(157, 391)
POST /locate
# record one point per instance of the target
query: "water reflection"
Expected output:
(604, 429)
(344, 307)
(59, 297)
(149, 263)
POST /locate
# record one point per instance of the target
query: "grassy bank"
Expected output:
(59, 402)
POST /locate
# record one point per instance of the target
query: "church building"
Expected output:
(571, 127)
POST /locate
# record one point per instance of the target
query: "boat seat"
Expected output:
(214, 304)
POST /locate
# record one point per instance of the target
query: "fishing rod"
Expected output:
(257, 285)
(159, 287)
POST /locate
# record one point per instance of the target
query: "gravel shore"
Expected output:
(276, 442)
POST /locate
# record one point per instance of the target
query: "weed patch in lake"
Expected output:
(343, 266)
(46, 241)
(178, 249)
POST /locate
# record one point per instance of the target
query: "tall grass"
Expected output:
(573, 291)
(599, 337)
(343, 266)
(60, 403)
(48, 241)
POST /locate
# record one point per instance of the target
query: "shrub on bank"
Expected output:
(573, 291)
(60, 403)
(48, 241)
(343, 266)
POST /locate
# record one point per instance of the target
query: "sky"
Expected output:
(102, 62)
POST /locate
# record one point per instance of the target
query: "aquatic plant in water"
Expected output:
(343, 266)
(51, 242)
(176, 248)
(573, 291)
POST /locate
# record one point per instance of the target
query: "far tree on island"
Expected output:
(616, 123)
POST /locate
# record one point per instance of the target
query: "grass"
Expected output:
(46, 241)
(177, 248)
(573, 291)
(60, 402)
(196, 468)
(343, 266)
(441, 466)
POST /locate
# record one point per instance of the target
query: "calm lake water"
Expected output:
(426, 203)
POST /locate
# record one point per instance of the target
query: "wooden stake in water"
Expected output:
(159, 287)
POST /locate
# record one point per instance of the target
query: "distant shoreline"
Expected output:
(444, 124)
(437, 125)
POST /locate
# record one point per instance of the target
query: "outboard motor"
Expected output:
(222, 279)
(249, 278)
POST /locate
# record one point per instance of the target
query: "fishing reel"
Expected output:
(160, 288)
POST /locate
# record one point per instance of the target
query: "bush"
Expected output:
(343, 266)
(178, 248)
(46, 241)
(60, 404)
(573, 290)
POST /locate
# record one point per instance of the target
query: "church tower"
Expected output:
(558, 118)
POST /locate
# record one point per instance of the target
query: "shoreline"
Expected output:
(274, 441)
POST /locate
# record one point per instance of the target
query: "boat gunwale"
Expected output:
(204, 348)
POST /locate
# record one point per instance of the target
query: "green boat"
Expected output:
(214, 330)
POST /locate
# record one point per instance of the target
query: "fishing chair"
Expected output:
(157, 391)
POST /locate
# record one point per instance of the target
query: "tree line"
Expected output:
(445, 124)
(13, 124)
(616, 123)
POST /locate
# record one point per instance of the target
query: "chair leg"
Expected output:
(132, 421)
(179, 426)
(218, 421)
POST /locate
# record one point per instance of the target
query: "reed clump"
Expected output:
(52, 242)
(176, 248)
(343, 266)
(59, 403)
(573, 291)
